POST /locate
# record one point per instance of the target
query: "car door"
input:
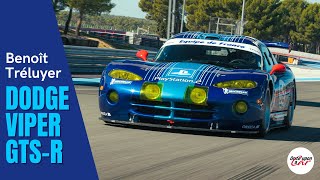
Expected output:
(281, 81)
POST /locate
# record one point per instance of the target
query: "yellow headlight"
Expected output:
(114, 97)
(241, 107)
(151, 91)
(198, 95)
(237, 84)
(125, 75)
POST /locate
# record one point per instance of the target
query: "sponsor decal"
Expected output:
(279, 116)
(182, 72)
(175, 80)
(230, 44)
(234, 91)
(282, 94)
(106, 114)
(116, 81)
(300, 160)
(250, 126)
(191, 41)
(235, 45)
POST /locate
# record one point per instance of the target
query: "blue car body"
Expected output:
(218, 114)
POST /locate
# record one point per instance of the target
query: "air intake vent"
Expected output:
(212, 38)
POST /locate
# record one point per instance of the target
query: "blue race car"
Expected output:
(201, 81)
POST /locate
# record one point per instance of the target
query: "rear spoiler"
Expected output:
(277, 44)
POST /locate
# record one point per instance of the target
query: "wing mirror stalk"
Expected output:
(278, 68)
(142, 54)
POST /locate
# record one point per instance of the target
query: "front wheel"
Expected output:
(265, 123)
(288, 119)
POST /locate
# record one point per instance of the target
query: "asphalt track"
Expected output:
(146, 153)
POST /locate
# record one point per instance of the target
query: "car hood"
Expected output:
(186, 73)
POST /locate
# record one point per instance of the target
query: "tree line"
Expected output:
(293, 21)
(83, 7)
(110, 22)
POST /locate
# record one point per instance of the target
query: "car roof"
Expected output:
(220, 37)
(277, 44)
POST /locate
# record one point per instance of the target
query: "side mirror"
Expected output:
(278, 68)
(142, 54)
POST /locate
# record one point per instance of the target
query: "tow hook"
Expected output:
(211, 126)
(131, 118)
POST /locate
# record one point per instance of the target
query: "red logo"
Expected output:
(300, 160)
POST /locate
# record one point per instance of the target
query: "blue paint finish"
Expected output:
(176, 77)
(96, 81)
(173, 88)
(174, 91)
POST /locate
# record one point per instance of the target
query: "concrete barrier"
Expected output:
(88, 60)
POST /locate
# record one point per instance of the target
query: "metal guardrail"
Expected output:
(88, 60)
(298, 54)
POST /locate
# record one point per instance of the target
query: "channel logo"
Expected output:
(300, 160)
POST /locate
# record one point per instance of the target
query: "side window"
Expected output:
(268, 61)
(266, 58)
(272, 57)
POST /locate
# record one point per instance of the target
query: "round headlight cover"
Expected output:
(124, 75)
(151, 91)
(198, 95)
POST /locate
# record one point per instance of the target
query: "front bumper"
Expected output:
(218, 115)
(132, 123)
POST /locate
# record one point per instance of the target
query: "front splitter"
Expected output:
(176, 127)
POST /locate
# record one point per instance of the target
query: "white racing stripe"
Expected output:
(203, 73)
(215, 43)
(208, 73)
(152, 75)
(145, 77)
(197, 70)
(214, 76)
(152, 70)
(164, 68)
(211, 74)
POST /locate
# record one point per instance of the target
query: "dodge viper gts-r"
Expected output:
(201, 81)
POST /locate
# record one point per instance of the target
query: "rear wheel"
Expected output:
(288, 119)
(265, 123)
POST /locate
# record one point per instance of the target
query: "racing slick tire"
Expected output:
(288, 119)
(265, 122)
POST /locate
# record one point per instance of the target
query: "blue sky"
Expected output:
(127, 8)
(131, 8)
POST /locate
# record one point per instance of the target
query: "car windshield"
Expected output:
(220, 56)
